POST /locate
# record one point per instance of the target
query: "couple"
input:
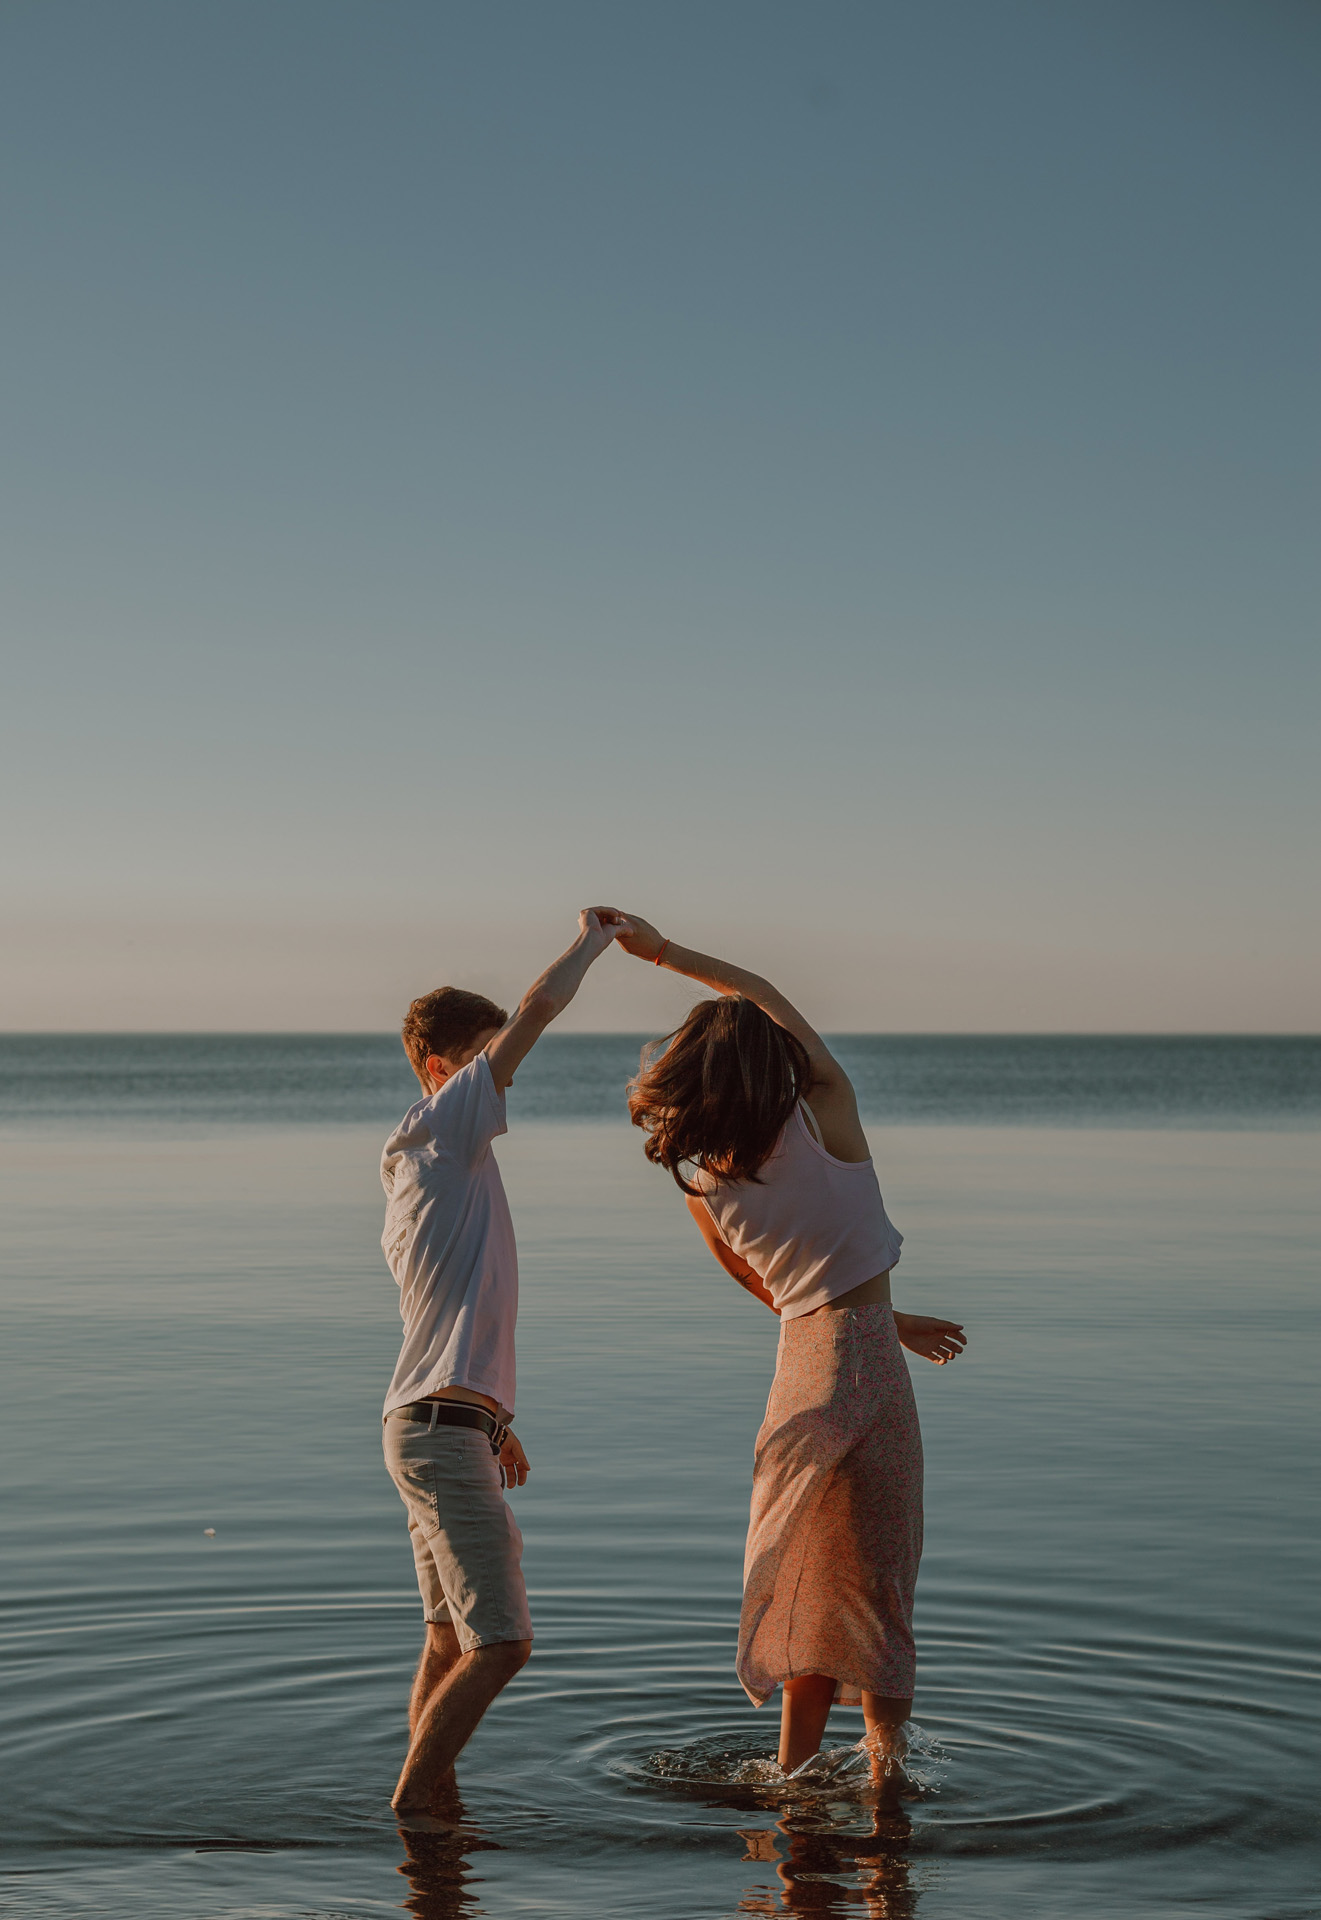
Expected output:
(758, 1124)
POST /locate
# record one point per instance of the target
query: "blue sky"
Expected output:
(839, 478)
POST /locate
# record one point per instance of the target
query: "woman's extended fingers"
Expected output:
(942, 1341)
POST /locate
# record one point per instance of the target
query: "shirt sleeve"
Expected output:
(468, 1112)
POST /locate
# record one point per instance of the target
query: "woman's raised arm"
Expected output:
(645, 943)
(833, 1100)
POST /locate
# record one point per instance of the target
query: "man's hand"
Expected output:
(513, 1461)
(599, 926)
(635, 936)
(937, 1340)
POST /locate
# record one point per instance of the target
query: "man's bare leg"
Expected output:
(450, 1717)
(440, 1652)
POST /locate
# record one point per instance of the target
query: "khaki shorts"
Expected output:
(466, 1545)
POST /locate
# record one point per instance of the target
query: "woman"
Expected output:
(785, 1195)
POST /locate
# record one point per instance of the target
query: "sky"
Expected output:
(837, 478)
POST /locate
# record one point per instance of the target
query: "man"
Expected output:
(449, 1242)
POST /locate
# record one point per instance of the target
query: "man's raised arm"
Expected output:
(551, 994)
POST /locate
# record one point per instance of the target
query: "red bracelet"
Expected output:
(660, 956)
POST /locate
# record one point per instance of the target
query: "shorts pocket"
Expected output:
(414, 1476)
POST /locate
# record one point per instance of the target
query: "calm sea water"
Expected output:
(1118, 1695)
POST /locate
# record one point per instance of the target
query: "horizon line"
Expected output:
(635, 1033)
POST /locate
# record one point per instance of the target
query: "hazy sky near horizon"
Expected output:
(839, 478)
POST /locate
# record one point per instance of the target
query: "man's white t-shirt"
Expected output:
(449, 1242)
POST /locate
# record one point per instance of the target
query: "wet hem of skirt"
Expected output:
(843, 1688)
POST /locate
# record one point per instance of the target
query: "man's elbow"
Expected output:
(540, 1006)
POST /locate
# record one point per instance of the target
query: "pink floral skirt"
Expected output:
(835, 1533)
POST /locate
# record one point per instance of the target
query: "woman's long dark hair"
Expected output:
(717, 1092)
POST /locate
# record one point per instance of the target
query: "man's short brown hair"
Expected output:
(445, 1022)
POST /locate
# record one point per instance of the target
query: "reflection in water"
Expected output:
(823, 1866)
(436, 1865)
(832, 1872)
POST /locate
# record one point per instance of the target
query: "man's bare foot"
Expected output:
(411, 1822)
(440, 1812)
(447, 1784)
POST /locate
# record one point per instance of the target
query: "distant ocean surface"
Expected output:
(208, 1618)
(313, 1078)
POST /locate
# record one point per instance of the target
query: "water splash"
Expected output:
(712, 1764)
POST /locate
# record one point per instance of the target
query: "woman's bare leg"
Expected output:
(885, 1739)
(806, 1708)
(885, 1718)
(807, 1703)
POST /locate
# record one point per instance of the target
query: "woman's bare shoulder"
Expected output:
(834, 1106)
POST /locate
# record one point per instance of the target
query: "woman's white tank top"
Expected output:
(812, 1226)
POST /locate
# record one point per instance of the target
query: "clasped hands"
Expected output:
(634, 934)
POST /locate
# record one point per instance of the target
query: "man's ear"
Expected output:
(436, 1067)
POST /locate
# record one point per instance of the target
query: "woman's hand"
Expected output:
(937, 1340)
(641, 938)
